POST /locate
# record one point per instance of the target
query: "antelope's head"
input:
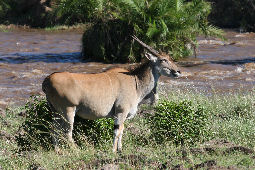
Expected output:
(163, 64)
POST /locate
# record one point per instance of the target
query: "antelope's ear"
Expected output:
(151, 57)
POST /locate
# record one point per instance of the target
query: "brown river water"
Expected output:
(27, 57)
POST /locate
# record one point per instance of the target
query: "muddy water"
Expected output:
(27, 57)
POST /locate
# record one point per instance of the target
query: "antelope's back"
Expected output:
(96, 92)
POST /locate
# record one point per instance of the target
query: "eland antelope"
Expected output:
(115, 93)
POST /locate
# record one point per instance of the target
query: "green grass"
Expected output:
(229, 141)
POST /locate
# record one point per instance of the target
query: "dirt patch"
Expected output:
(210, 165)
(221, 146)
(206, 164)
(242, 149)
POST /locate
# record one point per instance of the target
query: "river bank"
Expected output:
(28, 56)
(220, 79)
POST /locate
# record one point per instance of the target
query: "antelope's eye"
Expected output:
(163, 60)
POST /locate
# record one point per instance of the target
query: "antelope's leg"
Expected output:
(120, 137)
(56, 129)
(63, 123)
(151, 98)
(68, 126)
(118, 131)
(154, 96)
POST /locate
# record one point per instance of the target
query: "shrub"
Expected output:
(169, 25)
(108, 41)
(182, 122)
(74, 11)
(71, 12)
(36, 129)
(97, 131)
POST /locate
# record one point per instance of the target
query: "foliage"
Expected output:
(22, 12)
(79, 11)
(97, 131)
(169, 25)
(108, 41)
(182, 123)
(233, 14)
(36, 130)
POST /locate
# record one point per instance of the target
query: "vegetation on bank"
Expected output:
(225, 13)
(202, 131)
(168, 25)
(233, 14)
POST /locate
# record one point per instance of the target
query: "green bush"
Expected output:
(36, 130)
(169, 25)
(96, 131)
(108, 41)
(74, 11)
(182, 123)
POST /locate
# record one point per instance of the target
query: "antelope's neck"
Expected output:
(146, 80)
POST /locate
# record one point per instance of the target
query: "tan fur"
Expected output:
(115, 93)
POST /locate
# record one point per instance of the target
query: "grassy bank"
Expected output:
(225, 137)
